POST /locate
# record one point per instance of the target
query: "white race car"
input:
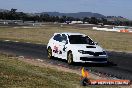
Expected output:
(75, 47)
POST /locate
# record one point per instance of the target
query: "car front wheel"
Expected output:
(49, 51)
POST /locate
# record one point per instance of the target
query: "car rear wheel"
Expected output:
(70, 58)
(49, 51)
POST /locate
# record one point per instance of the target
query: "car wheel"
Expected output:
(70, 58)
(49, 51)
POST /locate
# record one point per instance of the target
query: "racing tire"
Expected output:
(70, 58)
(49, 51)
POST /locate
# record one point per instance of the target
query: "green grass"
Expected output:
(108, 40)
(18, 74)
(15, 74)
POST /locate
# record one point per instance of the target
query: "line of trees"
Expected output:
(13, 15)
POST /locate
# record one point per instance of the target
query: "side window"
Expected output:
(64, 37)
(57, 37)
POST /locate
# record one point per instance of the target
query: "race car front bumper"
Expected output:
(91, 59)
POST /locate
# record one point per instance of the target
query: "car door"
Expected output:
(55, 47)
(62, 46)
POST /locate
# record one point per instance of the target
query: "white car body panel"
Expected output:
(60, 53)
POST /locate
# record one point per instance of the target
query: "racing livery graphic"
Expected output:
(76, 47)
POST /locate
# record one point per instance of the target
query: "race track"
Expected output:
(120, 65)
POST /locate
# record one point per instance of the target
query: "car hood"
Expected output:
(86, 47)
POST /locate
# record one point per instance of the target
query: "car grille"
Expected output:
(92, 59)
(94, 53)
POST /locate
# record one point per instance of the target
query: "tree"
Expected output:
(86, 19)
(45, 17)
(12, 15)
(62, 19)
(94, 20)
(13, 10)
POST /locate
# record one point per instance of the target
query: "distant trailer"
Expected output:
(123, 28)
(115, 29)
(105, 29)
(76, 22)
(120, 27)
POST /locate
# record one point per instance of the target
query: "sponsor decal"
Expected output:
(55, 49)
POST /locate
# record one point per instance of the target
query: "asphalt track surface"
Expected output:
(119, 66)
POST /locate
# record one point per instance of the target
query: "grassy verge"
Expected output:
(15, 74)
(108, 40)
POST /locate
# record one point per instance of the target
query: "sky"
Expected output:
(105, 7)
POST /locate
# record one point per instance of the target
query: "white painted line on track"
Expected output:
(40, 60)
(19, 41)
(16, 41)
(28, 42)
(21, 57)
(7, 40)
(39, 43)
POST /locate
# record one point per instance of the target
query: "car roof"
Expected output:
(70, 33)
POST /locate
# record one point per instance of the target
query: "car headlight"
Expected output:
(81, 51)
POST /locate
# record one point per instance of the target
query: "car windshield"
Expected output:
(80, 39)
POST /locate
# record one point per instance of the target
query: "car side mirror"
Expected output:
(96, 43)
